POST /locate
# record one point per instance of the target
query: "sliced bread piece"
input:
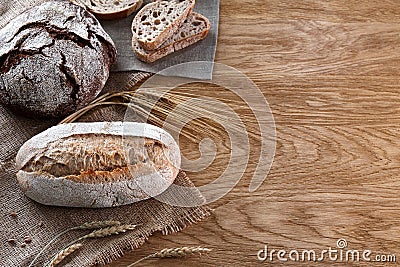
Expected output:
(194, 29)
(158, 21)
(109, 10)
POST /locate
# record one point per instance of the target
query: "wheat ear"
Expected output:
(113, 230)
(173, 253)
(85, 226)
(63, 254)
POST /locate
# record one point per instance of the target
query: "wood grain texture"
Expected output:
(330, 72)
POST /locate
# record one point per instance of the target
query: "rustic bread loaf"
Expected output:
(158, 21)
(104, 164)
(109, 10)
(54, 59)
(194, 29)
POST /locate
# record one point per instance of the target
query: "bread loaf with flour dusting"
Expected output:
(96, 165)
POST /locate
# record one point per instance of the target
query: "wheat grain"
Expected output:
(179, 252)
(63, 254)
(173, 253)
(113, 230)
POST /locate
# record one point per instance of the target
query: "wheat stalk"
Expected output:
(142, 102)
(85, 226)
(63, 254)
(173, 253)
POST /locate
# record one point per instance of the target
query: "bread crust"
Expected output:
(54, 59)
(176, 42)
(122, 186)
(168, 31)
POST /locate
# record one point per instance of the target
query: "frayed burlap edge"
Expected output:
(119, 250)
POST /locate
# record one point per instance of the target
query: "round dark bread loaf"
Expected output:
(54, 59)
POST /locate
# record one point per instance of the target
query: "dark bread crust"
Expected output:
(54, 59)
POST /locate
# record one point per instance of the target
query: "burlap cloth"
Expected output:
(42, 223)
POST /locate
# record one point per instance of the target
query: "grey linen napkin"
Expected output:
(120, 32)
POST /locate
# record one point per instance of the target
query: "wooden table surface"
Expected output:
(330, 72)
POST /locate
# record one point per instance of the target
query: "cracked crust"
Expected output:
(54, 59)
(194, 29)
(110, 10)
(97, 164)
(158, 21)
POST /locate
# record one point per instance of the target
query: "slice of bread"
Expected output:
(158, 21)
(109, 10)
(194, 29)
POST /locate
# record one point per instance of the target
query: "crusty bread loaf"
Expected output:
(194, 29)
(158, 21)
(102, 164)
(54, 59)
(109, 10)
